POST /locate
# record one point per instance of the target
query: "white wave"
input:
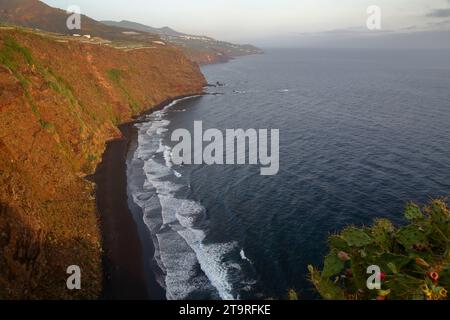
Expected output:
(179, 226)
(177, 174)
(168, 156)
(243, 256)
(160, 131)
(183, 216)
(161, 147)
(175, 102)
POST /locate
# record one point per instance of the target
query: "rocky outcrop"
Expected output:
(60, 102)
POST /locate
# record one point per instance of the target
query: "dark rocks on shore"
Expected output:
(215, 85)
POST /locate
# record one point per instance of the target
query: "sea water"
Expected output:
(361, 133)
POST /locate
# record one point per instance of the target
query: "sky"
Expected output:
(279, 21)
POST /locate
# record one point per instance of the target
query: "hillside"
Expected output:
(38, 15)
(166, 31)
(61, 100)
(200, 48)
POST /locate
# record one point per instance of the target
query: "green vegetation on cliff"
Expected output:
(414, 259)
(115, 76)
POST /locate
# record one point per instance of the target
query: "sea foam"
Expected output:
(179, 226)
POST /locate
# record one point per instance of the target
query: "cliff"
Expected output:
(60, 102)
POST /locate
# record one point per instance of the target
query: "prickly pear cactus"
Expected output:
(332, 265)
(382, 233)
(413, 212)
(414, 260)
(410, 236)
(356, 237)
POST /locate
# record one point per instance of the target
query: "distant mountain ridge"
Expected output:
(195, 45)
(125, 24)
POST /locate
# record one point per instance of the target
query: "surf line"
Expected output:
(229, 148)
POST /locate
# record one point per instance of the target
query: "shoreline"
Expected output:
(127, 271)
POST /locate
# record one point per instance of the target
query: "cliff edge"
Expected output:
(60, 102)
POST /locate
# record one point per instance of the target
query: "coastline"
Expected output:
(127, 273)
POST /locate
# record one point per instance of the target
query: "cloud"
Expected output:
(440, 13)
(352, 31)
(442, 25)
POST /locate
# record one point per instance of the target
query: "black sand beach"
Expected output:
(124, 275)
(127, 273)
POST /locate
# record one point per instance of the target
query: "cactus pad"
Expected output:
(356, 237)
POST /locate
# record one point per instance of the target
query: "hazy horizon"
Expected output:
(287, 23)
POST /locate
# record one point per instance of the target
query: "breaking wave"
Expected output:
(192, 267)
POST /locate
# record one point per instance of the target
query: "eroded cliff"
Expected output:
(60, 101)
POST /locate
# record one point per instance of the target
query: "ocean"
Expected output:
(362, 132)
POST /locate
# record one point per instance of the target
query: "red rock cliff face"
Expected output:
(60, 101)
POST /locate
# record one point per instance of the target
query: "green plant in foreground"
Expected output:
(414, 259)
(292, 295)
